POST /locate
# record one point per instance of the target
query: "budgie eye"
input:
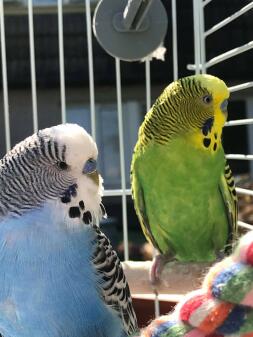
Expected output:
(207, 99)
(90, 166)
(62, 165)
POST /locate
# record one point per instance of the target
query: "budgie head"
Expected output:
(194, 107)
(56, 165)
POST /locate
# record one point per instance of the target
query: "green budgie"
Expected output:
(183, 189)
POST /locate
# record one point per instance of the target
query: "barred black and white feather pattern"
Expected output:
(115, 289)
(32, 167)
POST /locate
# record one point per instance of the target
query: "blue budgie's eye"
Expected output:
(90, 166)
(62, 165)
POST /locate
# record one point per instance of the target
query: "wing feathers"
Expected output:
(228, 192)
(115, 289)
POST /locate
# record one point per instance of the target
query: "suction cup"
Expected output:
(130, 30)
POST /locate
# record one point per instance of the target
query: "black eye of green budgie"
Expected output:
(207, 99)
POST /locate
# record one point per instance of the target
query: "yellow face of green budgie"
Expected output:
(208, 138)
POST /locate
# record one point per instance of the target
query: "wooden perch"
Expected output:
(177, 278)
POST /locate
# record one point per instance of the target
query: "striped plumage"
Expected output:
(161, 126)
(115, 289)
(183, 190)
(40, 156)
(58, 270)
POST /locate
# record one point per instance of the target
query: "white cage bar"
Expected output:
(33, 66)
(5, 80)
(174, 39)
(61, 61)
(229, 19)
(122, 158)
(231, 53)
(91, 68)
(247, 121)
(204, 65)
(239, 87)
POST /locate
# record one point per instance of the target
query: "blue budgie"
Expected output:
(59, 275)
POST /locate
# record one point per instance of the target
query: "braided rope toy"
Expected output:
(223, 307)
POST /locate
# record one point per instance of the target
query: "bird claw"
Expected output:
(156, 269)
(158, 263)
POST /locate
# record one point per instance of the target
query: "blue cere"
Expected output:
(90, 166)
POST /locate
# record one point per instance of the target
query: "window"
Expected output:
(107, 136)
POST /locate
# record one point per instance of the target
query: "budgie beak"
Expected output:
(94, 177)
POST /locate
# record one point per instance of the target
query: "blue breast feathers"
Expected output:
(48, 284)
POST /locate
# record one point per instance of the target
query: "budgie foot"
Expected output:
(156, 269)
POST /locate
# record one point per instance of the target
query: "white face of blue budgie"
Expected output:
(56, 165)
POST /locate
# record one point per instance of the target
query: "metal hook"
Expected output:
(135, 12)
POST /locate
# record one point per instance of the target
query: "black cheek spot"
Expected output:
(65, 199)
(207, 126)
(74, 212)
(72, 190)
(215, 135)
(205, 131)
(87, 218)
(81, 204)
(215, 146)
(206, 142)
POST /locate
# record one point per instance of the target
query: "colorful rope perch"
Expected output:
(223, 307)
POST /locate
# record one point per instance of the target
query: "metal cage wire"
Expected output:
(201, 65)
